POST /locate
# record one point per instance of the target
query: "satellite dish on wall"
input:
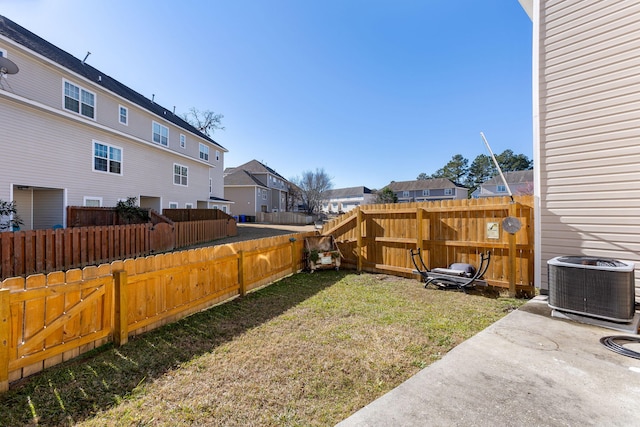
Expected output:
(511, 224)
(7, 66)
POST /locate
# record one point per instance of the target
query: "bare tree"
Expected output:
(312, 185)
(295, 196)
(205, 121)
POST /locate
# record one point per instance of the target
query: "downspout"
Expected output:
(537, 150)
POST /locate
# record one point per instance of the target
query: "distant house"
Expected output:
(345, 199)
(254, 187)
(73, 136)
(520, 183)
(424, 190)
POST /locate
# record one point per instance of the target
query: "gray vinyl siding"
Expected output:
(46, 147)
(48, 203)
(43, 82)
(46, 151)
(244, 198)
(589, 95)
(23, 201)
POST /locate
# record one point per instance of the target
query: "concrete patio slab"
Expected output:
(526, 369)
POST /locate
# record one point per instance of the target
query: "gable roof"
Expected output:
(338, 193)
(514, 177)
(423, 184)
(31, 41)
(242, 177)
(255, 166)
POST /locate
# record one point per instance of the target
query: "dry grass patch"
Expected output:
(308, 350)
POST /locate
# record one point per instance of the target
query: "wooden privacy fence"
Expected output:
(42, 251)
(182, 215)
(284, 218)
(377, 238)
(48, 319)
(194, 232)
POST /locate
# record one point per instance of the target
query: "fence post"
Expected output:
(121, 322)
(359, 236)
(294, 264)
(512, 255)
(5, 327)
(419, 229)
(242, 289)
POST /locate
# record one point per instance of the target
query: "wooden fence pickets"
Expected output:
(48, 319)
(377, 238)
(41, 251)
(55, 317)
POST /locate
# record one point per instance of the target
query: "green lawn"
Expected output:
(308, 350)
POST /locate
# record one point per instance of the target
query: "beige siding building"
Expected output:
(586, 90)
(72, 135)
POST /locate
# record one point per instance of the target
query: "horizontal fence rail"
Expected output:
(48, 319)
(377, 238)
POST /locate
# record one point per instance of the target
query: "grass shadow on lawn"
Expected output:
(75, 390)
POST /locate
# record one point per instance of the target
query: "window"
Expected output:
(448, 191)
(204, 152)
(180, 174)
(215, 207)
(425, 192)
(160, 134)
(188, 205)
(217, 156)
(107, 158)
(79, 100)
(224, 209)
(502, 189)
(210, 185)
(3, 53)
(95, 202)
(173, 205)
(264, 195)
(405, 194)
(183, 141)
(123, 115)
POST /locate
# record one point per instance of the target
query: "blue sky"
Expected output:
(371, 91)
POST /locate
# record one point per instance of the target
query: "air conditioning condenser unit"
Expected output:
(599, 287)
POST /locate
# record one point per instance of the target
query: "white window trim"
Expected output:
(153, 122)
(406, 194)
(173, 175)
(126, 123)
(173, 205)
(93, 158)
(188, 205)
(203, 151)
(183, 140)
(217, 155)
(448, 191)
(85, 198)
(501, 188)
(425, 192)
(82, 88)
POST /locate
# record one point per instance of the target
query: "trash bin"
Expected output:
(235, 217)
(243, 218)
